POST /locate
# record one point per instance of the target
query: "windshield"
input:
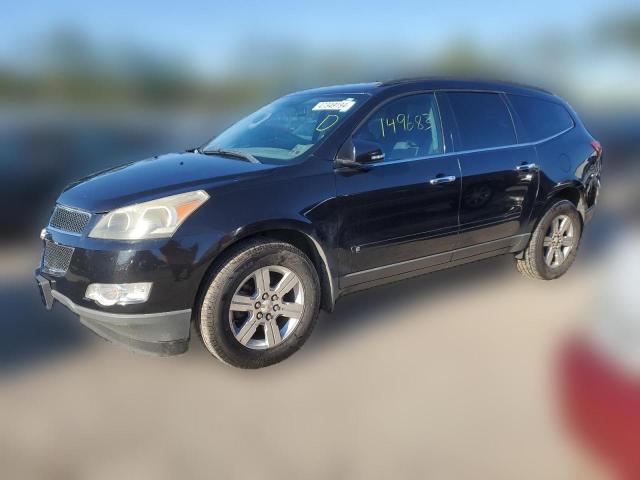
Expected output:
(288, 127)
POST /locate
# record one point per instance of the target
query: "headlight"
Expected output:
(155, 219)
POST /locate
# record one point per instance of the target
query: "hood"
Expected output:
(154, 178)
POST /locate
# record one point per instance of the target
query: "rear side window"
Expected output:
(483, 120)
(540, 118)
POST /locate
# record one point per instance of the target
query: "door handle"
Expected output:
(527, 167)
(441, 180)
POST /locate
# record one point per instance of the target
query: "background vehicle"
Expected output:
(316, 195)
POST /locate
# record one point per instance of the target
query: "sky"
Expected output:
(305, 41)
(209, 33)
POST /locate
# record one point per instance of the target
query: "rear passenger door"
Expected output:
(499, 177)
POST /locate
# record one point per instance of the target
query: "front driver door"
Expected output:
(405, 207)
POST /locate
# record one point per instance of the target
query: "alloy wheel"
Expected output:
(266, 307)
(559, 241)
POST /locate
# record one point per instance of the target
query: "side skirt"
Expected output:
(419, 266)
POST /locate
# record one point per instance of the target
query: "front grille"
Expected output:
(56, 258)
(69, 219)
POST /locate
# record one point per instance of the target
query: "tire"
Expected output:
(535, 259)
(239, 333)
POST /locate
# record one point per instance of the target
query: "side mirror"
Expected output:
(367, 151)
(357, 154)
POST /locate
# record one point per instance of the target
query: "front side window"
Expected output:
(408, 127)
(541, 119)
(483, 120)
(289, 127)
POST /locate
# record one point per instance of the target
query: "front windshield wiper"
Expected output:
(231, 153)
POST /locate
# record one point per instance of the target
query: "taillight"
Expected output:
(597, 147)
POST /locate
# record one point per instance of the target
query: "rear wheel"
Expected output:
(554, 243)
(260, 305)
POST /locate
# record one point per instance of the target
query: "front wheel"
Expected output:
(261, 304)
(554, 243)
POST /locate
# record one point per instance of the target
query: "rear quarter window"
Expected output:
(540, 118)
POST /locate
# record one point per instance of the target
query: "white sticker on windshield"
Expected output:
(340, 105)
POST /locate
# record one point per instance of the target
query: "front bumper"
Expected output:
(175, 266)
(163, 333)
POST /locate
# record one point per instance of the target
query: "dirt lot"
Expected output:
(448, 376)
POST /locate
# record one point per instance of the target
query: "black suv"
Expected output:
(319, 194)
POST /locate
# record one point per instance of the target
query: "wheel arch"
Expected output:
(298, 234)
(573, 193)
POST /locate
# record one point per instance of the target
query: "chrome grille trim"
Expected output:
(56, 258)
(69, 219)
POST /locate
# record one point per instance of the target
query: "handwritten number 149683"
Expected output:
(406, 123)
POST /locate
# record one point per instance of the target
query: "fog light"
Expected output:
(107, 294)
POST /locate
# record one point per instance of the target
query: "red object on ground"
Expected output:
(602, 405)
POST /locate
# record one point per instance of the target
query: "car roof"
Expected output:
(434, 83)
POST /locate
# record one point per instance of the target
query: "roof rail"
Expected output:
(401, 81)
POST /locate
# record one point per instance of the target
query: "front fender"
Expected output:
(295, 231)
